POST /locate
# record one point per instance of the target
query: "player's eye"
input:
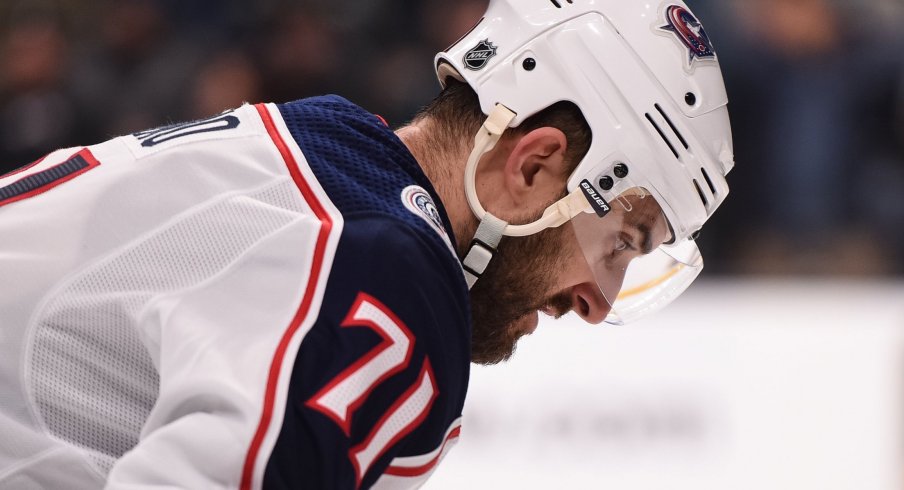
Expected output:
(623, 242)
(620, 251)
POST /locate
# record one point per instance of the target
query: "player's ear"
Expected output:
(535, 169)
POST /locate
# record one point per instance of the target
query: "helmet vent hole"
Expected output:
(674, 129)
(662, 135)
(606, 183)
(709, 181)
(554, 2)
(701, 194)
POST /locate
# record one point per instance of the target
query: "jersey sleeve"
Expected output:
(367, 393)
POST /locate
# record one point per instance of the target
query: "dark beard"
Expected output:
(515, 284)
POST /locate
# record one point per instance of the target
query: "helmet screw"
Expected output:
(620, 170)
(606, 183)
(690, 98)
(529, 64)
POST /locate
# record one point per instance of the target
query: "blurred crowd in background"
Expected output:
(816, 90)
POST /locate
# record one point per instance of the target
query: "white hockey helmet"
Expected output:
(647, 80)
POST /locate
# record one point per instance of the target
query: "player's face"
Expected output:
(548, 272)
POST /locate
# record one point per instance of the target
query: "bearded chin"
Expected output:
(494, 334)
(516, 284)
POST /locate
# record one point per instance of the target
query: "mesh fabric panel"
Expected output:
(91, 376)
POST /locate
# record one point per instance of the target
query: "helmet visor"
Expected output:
(635, 260)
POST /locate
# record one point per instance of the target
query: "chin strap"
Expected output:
(491, 229)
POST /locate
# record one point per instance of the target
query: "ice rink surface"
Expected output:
(791, 385)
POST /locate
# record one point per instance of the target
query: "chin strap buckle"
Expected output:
(483, 247)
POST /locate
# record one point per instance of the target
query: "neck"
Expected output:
(445, 168)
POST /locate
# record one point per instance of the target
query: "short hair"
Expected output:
(457, 111)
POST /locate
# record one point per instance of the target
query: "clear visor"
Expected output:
(636, 262)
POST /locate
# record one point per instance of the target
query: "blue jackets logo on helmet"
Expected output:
(477, 57)
(690, 32)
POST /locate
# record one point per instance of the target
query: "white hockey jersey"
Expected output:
(267, 298)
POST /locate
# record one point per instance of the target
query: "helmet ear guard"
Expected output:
(648, 83)
(445, 70)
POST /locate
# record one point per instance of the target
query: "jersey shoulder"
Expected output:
(363, 166)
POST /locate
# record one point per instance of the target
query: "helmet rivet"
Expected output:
(529, 64)
(620, 170)
(690, 98)
(606, 183)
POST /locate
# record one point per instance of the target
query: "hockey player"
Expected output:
(278, 296)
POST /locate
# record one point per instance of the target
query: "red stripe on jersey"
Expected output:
(23, 168)
(303, 309)
(424, 468)
(65, 176)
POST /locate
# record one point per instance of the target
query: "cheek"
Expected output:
(577, 272)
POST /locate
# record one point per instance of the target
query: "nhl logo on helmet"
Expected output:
(690, 32)
(477, 57)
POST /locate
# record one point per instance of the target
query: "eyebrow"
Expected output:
(646, 237)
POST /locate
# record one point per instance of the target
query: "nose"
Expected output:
(589, 303)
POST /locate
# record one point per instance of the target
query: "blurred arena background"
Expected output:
(782, 368)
